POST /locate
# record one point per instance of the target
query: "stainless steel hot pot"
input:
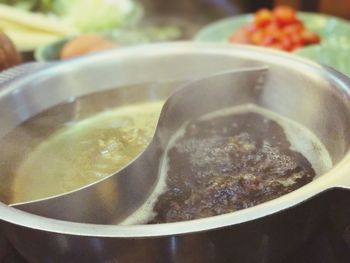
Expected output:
(316, 96)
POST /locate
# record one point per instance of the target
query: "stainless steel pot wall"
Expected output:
(313, 95)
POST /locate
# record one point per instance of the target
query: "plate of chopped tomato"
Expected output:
(281, 28)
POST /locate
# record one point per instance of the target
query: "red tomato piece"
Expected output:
(310, 37)
(263, 17)
(287, 45)
(295, 47)
(257, 37)
(269, 40)
(284, 15)
(294, 28)
(279, 29)
(272, 28)
(279, 35)
(296, 39)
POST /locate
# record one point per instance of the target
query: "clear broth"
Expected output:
(84, 152)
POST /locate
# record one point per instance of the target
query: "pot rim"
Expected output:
(325, 182)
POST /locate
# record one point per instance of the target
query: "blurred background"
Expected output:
(199, 12)
(40, 29)
(196, 13)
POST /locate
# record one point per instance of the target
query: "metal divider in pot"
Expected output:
(130, 187)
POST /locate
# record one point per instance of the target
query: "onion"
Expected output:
(9, 56)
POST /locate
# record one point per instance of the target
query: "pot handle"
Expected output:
(13, 73)
(338, 177)
(343, 183)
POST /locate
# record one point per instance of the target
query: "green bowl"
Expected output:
(331, 54)
(335, 37)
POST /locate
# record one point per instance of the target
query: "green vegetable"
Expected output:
(43, 6)
(86, 15)
(94, 15)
